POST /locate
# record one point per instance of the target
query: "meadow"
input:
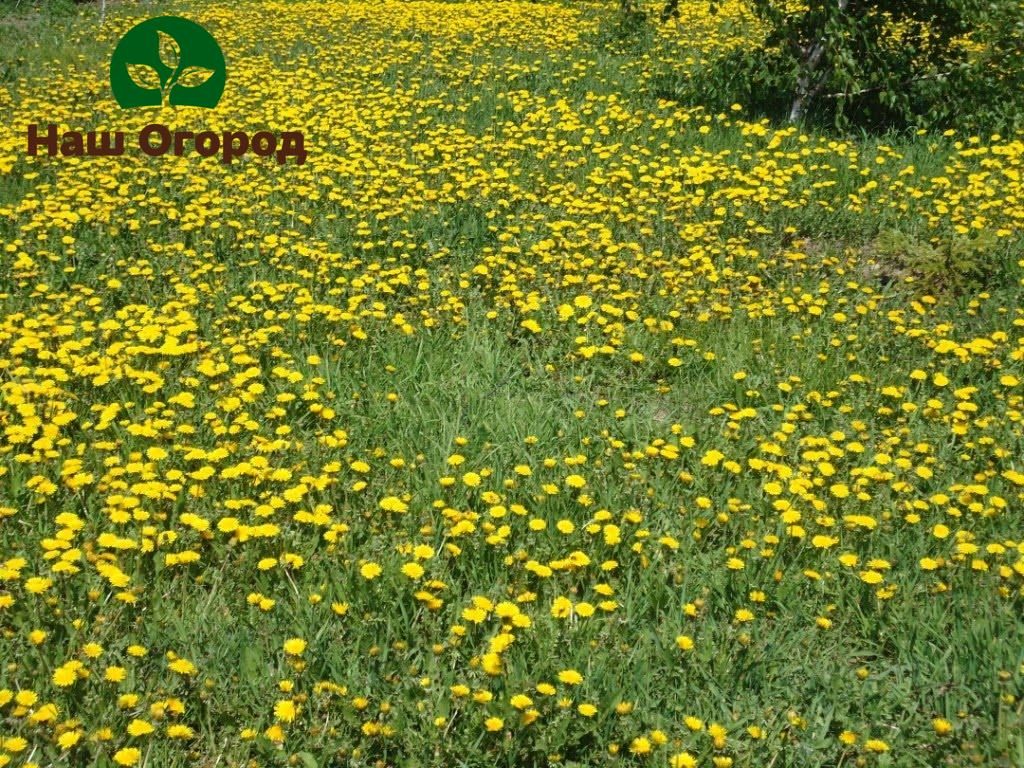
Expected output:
(540, 418)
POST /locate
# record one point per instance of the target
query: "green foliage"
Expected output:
(754, 78)
(988, 93)
(627, 31)
(461, 172)
(957, 263)
(31, 31)
(883, 63)
(51, 8)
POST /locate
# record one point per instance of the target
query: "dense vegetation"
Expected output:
(873, 64)
(545, 416)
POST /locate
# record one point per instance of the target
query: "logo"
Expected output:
(167, 61)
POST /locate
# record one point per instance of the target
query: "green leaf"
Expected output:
(144, 76)
(169, 52)
(190, 77)
(251, 666)
(307, 760)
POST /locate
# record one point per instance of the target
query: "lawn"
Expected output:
(541, 417)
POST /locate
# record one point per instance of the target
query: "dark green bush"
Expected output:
(960, 263)
(874, 64)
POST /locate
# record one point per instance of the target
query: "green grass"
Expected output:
(469, 208)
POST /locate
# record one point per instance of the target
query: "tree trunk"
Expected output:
(805, 91)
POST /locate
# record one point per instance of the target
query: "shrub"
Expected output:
(880, 64)
(961, 263)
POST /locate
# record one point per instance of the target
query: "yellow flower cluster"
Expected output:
(532, 420)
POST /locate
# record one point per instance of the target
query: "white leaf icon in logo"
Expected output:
(191, 77)
(144, 76)
(169, 53)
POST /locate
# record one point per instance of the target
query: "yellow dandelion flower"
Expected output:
(127, 756)
(295, 646)
(370, 571)
(285, 710)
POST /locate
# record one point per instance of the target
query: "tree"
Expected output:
(870, 61)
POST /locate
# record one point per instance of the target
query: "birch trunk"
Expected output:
(805, 91)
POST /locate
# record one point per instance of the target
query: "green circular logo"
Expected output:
(167, 61)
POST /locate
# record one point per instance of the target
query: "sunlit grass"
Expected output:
(534, 420)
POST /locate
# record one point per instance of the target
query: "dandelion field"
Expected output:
(538, 419)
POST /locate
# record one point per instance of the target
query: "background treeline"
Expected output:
(872, 64)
